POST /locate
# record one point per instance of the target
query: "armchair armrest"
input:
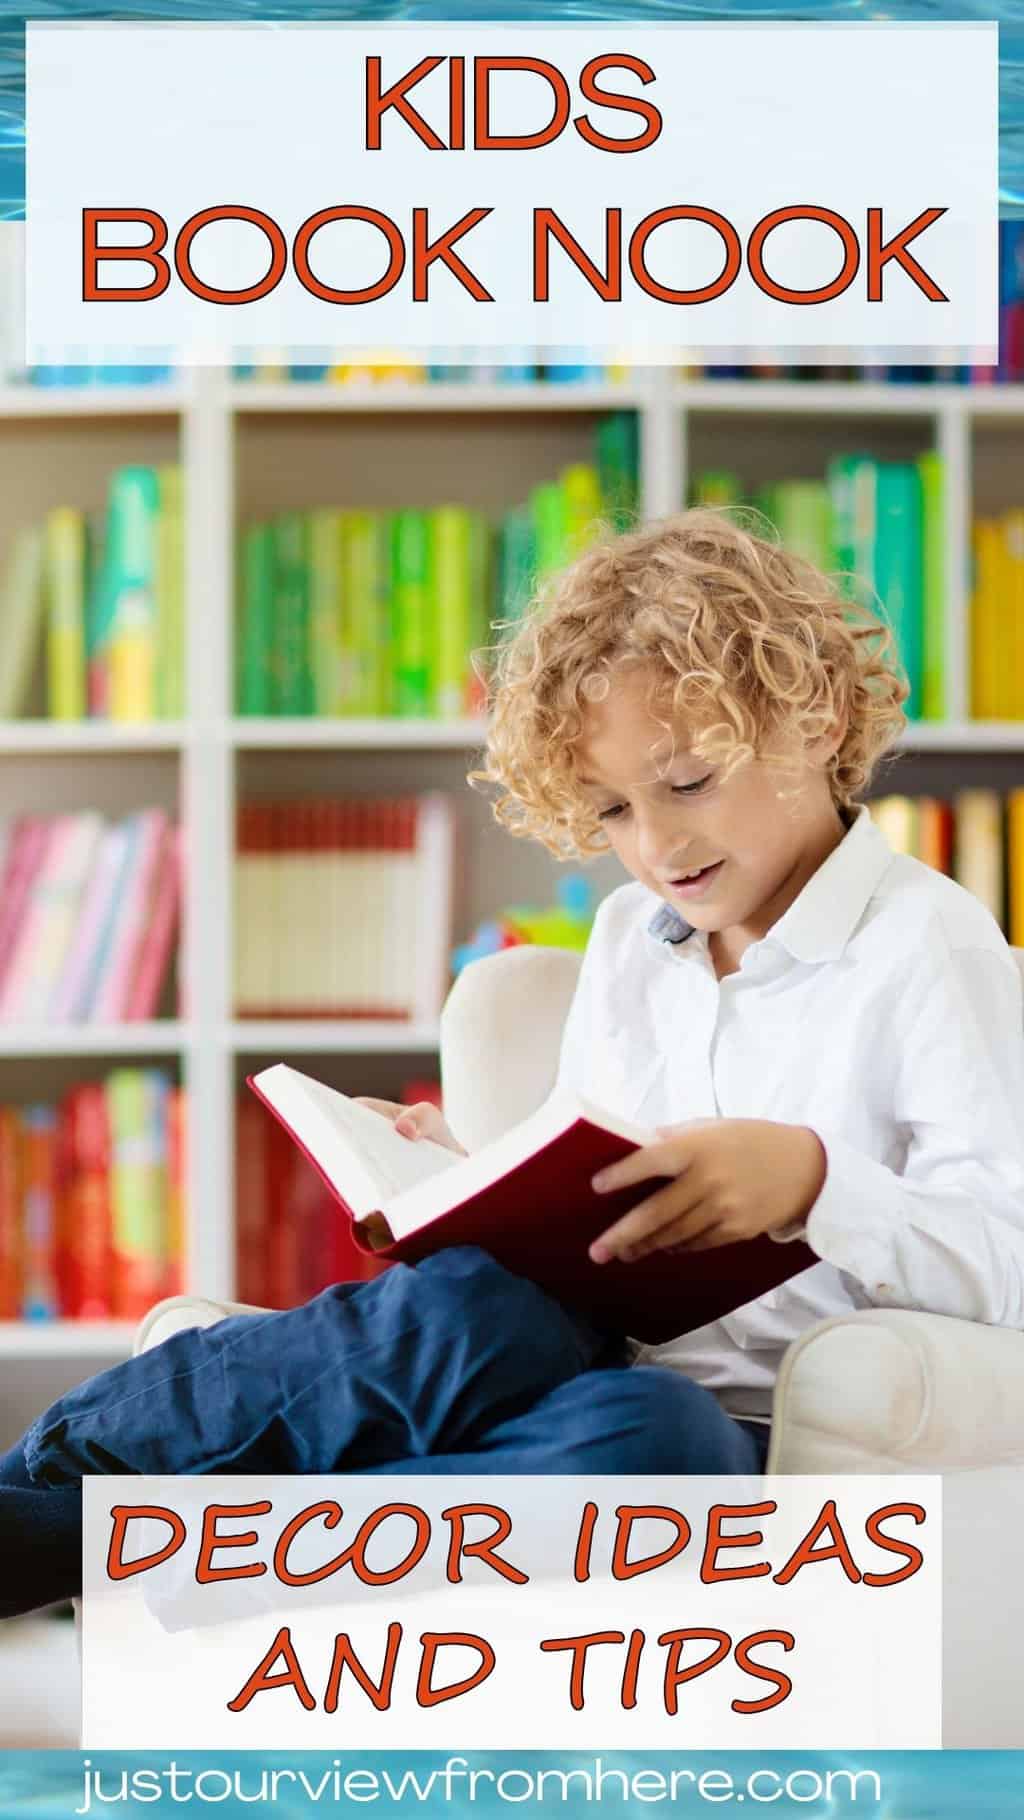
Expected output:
(177, 1312)
(886, 1390)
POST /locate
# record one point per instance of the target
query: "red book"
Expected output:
(10, 1214)
(157, 941)
(527, 1199)
(85, 1264)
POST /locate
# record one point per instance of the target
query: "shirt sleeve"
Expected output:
(946, 1233)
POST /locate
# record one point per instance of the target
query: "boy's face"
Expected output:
(751, 852)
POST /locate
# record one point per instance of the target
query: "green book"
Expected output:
(582, 506)
(515, 570)
(617, 456)
(257, 691)
(931, 469)
(366, 624)
(127, 596)
(21, 614)
(170, 596)
(482, 566)
(852, 482)
(330, 683)
(716, 487)
(291, 580)
(450, 608)
(898, 567)
(547, 506)
(411, 612)
(64, 573)
(801, 509)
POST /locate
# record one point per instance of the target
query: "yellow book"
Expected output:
(1015, 865)
(978, 846)
(1013, 536)
(987, 549)
(64, 581)
(897, 819)
(170, 597)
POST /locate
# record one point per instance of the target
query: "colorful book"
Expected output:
(169, 661)
(127, 633)
(47, 929)
(411, 613)
(136, 1104)
(132, 914)
(156, 946)
(40, 1297)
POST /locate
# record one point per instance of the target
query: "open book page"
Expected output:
(417, 1206)
(365, 1159)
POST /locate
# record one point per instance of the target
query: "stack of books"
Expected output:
(343, 908)
(89, 914)
(879, 524)
(92, 607)
(92, 1200)
(350, 612)
(1009, 368)
(997, 618)
(977, 838)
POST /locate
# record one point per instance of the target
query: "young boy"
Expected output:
(827, 1037)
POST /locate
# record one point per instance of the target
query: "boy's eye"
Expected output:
(608, 815)
(691, 789)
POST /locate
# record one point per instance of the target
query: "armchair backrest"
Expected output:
(500, 1034)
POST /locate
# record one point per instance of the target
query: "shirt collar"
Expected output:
(822, 918)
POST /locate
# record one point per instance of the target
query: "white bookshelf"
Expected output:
(250, 447)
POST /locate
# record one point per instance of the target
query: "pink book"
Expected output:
(158, 939)
(70, 1000)
(26, 855)
(129, 928)
(43, 935)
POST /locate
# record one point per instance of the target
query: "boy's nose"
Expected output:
(659, 846)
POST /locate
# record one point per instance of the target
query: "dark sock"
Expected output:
(40, 1539)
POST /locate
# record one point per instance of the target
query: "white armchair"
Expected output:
(876, 1391)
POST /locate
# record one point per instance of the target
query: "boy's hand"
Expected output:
(420, 1121)
(732, 1179)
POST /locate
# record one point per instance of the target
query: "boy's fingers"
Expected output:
(388, 1108)
(669, 1157)
(640, 1223)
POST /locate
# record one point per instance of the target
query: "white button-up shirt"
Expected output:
(883, 1010)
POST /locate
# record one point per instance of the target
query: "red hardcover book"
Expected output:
(252, 1217)
(527, 1199)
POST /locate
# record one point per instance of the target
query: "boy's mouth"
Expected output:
(696, 884)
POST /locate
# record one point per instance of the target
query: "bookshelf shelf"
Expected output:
(293, 399)
(157, 1038)
(91, 736)
(246, 448)
(359, 735)
(93, 401)
(65, 1339)
(318, 1036)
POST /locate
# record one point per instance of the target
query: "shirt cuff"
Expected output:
(857, 1215)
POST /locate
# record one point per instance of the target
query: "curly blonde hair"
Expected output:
(746, 641)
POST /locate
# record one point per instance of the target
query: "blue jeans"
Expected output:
(450, 1366)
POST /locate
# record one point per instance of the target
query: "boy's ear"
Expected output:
(829, 743)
